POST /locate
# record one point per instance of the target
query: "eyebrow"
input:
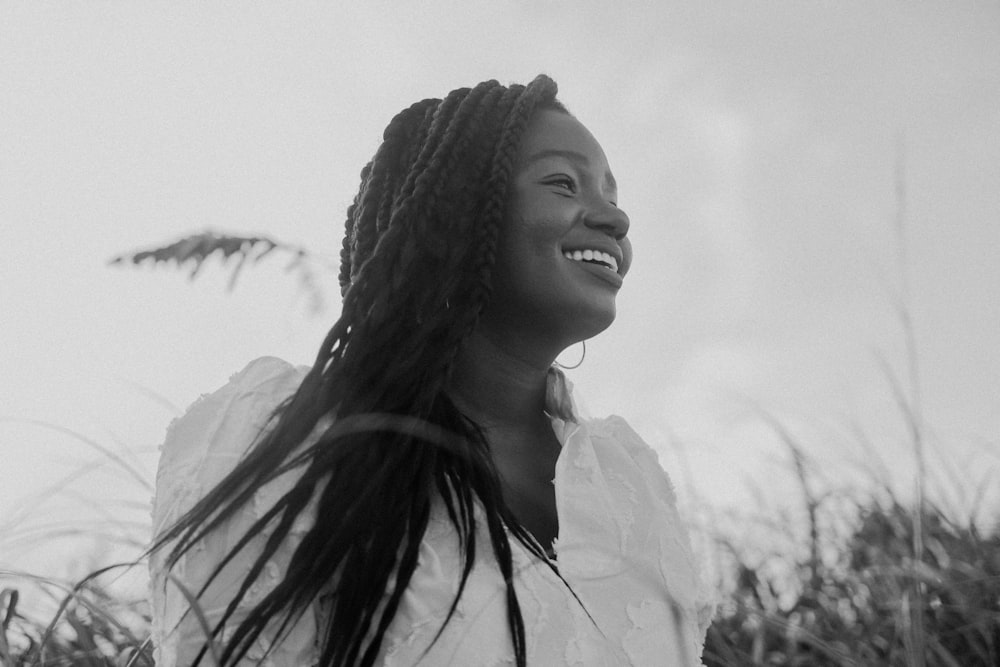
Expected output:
(573, 156)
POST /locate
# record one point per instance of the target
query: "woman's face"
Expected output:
(562, 253)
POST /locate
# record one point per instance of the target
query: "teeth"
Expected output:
(592, 255)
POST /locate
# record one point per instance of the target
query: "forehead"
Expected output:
(555, 131)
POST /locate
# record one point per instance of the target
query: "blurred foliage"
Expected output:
(91, 627)
(194, 250)
(856, 607)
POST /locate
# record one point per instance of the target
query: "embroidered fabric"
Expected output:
(622, 548)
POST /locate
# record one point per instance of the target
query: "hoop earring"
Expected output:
(577, 365)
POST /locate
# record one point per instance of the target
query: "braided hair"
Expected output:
(415, 275)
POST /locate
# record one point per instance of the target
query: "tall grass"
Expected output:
(96, 620)
(89, 625)
(907, 584)
(842, 595)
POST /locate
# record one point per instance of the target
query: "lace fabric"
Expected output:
(622, 548)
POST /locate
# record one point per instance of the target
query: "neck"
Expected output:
(498, 387)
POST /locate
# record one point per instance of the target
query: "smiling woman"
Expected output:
(561, 206)
(428, 491)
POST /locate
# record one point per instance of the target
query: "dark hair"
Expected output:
(416, 265)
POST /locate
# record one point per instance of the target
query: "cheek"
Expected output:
(530, 235)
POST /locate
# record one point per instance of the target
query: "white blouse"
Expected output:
(622, 548)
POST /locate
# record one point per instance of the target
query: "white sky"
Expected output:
(755, 147)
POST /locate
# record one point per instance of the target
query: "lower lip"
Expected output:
(604, 273)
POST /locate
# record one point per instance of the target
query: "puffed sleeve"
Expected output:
(702, 597)
(201, 447)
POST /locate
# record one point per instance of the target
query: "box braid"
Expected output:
(416, 274)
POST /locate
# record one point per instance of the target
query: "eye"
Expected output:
(564, 182)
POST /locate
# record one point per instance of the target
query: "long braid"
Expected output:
(363, 216)
(346, 250)
(411, 219)
(416, 268)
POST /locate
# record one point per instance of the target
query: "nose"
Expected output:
(608, 218)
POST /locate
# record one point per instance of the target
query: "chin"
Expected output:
(589, 322)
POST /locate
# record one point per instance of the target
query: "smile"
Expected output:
(593, 257)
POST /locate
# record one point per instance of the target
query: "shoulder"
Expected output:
(264, 381)
(624, 451)
(220, 426)
(201, 447)
(644, 506)
(620, 433)
(205, 443)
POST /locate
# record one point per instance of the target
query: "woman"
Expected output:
(403, 502)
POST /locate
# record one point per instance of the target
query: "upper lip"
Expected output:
(612, 249)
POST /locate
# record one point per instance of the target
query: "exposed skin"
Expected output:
(542, 303)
